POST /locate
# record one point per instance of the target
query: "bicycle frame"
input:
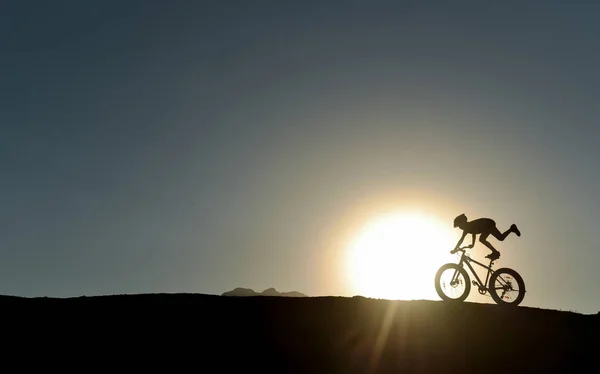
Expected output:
(465, 259)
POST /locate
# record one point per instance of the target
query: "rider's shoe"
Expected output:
(515, 229)
(493, 256)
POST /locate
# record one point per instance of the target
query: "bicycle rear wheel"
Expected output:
(507, 287)
(452, 283)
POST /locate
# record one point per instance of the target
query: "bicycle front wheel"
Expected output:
(507, 287)
(452, 283)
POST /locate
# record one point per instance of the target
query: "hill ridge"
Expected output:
(319, 334)
(188, 296)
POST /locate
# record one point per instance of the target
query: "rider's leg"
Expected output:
(483, 240)
(501, 236)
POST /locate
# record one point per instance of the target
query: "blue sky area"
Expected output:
(198, 146)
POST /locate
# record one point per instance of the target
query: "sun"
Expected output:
(396, 256)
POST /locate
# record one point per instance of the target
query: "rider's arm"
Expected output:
(461, 239)
(473, 241)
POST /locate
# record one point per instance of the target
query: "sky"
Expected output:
(198, 146)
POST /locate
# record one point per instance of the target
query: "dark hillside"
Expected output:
(219, 334)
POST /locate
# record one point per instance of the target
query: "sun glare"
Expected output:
(396, 256)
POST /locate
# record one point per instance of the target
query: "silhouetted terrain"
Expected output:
(268, 292)
(216, 334)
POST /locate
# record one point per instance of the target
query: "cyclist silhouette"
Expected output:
(484, 227)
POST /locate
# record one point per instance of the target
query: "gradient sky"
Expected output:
(196, 146)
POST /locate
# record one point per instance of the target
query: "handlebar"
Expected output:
(461, 249)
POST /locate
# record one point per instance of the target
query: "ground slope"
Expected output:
(206, 333)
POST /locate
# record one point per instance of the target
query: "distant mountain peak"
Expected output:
(270, 292)
(240, 291)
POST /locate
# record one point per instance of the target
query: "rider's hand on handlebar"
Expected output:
(456, 249)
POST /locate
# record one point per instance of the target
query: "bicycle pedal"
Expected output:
(474, 283)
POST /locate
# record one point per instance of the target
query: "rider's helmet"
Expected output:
(459, 220)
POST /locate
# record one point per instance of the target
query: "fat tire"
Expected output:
(517, 277)
(465, 275)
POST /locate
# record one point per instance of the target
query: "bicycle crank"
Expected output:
(480, 288)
